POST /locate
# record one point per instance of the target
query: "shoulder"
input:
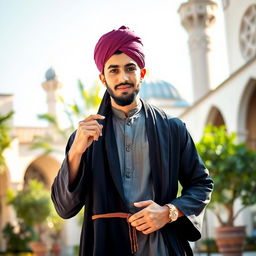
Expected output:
(174, 122)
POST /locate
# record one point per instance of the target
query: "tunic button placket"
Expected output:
(128, 175)
(128, 148)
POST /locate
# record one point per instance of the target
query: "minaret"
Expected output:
(52, 86)
(197, 16)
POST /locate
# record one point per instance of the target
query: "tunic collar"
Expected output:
(132, 113)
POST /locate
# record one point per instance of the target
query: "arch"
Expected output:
(215, 117)
(44, 169)
(246, 121)
(251, 121)
(4, 209)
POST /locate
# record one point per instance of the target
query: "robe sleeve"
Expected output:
(68, 199)
(197, 186)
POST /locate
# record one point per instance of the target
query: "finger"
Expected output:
(138, 222)
(95, 117)
(92, 133)
(143, 203)
(143, 227)
(89, 122)
(136, 216)
(92, 122)
(92, 127)
(84, 124)
(148, 231)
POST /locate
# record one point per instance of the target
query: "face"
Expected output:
(122, 77)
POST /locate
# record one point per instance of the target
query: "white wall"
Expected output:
(227, 98)
(233, 17)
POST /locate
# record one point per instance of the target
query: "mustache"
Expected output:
(131, 84)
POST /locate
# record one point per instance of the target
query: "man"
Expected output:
(124, 163)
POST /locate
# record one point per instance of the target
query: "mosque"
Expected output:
(232, 102)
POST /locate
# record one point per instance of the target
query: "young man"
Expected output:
(124, 163)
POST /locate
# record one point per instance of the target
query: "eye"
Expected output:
(113, 71)
(131, 69)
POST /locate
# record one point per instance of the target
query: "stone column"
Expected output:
(52, 86)
(197, 16)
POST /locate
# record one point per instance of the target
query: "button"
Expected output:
(128, 175)
(128, 148)
(129, 123)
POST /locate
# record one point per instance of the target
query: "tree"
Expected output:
(5, 137)
(232, 167)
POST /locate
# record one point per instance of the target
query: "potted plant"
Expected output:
(208, 246)
(55, 225)
(32, 206)
(232, 166)
(250, 244)
(18, 238)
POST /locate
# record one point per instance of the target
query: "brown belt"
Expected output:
(132, 230)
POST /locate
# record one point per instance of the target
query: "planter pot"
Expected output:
(39, 248)
(230, 240)
(18, 254)
(56, 249)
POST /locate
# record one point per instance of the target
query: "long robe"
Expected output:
(98, 187)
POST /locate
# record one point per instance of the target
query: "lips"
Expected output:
(122, 87)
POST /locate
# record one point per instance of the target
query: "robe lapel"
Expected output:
(158, 138)
(112, 156)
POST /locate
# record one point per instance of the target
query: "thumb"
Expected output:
(143, 203)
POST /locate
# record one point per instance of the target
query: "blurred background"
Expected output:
(201, 62)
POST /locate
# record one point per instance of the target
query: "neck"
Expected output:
(127, 108)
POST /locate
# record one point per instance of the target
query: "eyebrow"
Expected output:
(117, 66)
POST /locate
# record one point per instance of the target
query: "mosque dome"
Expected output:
(50, 74)
(161, 90)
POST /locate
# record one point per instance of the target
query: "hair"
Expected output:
(118, 52)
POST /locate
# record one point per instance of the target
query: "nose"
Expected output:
(123, 76)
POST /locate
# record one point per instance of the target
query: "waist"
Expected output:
(131, 229)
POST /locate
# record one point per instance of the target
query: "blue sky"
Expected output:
(38, 34)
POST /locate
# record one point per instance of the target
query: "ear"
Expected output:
(143, 72)
(102, 79)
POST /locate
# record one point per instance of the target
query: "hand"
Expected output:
(88, 131)
(151, 218)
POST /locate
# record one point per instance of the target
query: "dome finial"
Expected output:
(50, 74)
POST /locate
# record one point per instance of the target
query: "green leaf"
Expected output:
(231, 165)
(5, 138)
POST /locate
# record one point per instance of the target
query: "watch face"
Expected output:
(174, 214)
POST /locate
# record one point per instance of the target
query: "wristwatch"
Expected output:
(173, 212)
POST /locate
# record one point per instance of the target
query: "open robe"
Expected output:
(98, 186)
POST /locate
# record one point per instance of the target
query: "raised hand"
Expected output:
(88, 130)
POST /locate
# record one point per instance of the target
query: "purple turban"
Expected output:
(122, 39)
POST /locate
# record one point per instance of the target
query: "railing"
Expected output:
(27, 134)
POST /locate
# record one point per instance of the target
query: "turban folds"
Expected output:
(122, 39)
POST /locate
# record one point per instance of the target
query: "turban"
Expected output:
(122, 39)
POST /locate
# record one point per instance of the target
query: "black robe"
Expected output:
(98, 187)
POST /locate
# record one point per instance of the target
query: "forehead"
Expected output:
(119, 60)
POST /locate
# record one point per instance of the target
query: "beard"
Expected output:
(126, 98)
